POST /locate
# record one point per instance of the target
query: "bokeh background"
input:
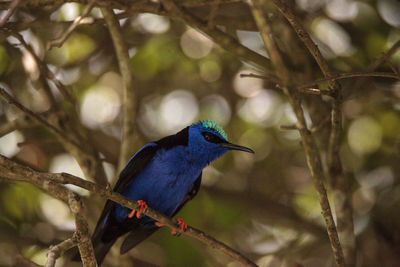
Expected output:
(264, 204)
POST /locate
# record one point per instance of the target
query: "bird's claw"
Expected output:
(182, 228)
(142, 206)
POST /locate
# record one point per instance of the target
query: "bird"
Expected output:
(163, 175)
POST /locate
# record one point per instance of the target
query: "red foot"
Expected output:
(182, 224)
(142, 205)
(158, 224)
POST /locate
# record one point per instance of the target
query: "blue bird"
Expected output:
(164, 175)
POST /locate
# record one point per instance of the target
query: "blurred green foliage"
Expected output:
(243, 197)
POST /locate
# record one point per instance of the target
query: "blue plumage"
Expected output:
(165, 174)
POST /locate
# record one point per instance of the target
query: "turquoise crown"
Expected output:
(210, 124)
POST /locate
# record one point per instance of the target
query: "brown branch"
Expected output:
(60, 41)
(11, 100)
(267, 77)
(14, 171)
(90, 164)
(14, 5)
(385, 57)
(350, 75)
(18, 123)
(130, 99)
(224, 40)
(85, 245)
(312, 154)
(51, 183)
(58, 250)
(21, 261)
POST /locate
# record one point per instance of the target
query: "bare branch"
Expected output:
(60, 41)
(350, 75)
(130, 100)
(57, 251)
(85, 245)
(226, 41)
(50, 182)
(312, 154)
(11, 11)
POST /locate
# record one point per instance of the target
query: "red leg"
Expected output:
(182, 228)
(142, 206)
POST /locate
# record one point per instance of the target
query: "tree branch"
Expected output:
(13, 6)
(60, 41)
(349, 75)
(51, 183)
(312, 154)
(226, 41)
(57, 251)
(130, 99)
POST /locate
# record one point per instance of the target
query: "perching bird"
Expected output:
(164, 175)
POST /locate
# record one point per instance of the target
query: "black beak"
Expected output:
(236, 147)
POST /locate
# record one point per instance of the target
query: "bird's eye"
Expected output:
(209, 137)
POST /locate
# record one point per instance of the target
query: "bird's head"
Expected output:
(209, 141)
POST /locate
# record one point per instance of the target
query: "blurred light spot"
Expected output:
(364, 136)
(109, 169)
(210, 71)
(378, 178)
(252, 40)
(67, 76)
(100, 106)
(30, 65)
(57, 213)
(40, 257)
(69, 11)
(341, 10)
(66, 163)
(389, 10)
(148, 116)
(9, 143)
(153, 23)
(247, 87)
(360, 223)
(259, 141)
(215, 107)
(99, 63)
(363, 200)
(310, 5)
(334, 36)
(178, 109)
(210, 176)
(262, 108)
(78, 47)
(195, 44)
(352, 108)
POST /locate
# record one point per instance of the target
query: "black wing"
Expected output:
(135, 165)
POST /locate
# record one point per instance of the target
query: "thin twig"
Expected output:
(224, 40)
(130, 100)
(58, 250)
(268, 77)
(50, 182)
(350, 75)
(85, 245)
(60, 41)
(312, 155)
(11, 100)
(10, 11)
(343, 205)
(213, 14)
